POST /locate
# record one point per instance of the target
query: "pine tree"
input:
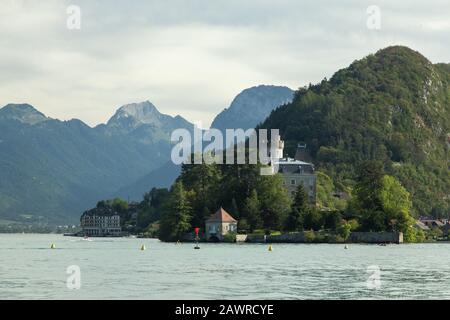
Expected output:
(252, 208)
(294, 221)
(234, 211)
(176, 221)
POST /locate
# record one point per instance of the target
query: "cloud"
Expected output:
(192, 57)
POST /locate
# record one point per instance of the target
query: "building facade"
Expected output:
(295, 171)
(220, 224)
(100, 224)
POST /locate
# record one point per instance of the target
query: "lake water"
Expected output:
(118, 269)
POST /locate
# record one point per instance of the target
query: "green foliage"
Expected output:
(331, 219)
(116, 205)
(240, 189)
(310, 236)
(412, 235)
(294, 221)
(230, 237)
(175, 223)
(275, 202)
(202, 183)
(435, 233)
(312, 219)
(243, 226)
(325, 193)
(346, 227)
(251, 212)
(151, 208)
(381, 202)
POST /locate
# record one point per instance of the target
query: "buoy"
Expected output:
(346, 247)
(143, 247)
(270, 248)
(53, 246)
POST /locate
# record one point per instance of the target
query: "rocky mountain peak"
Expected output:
(24, 113)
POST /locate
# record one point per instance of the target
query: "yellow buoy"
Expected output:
(53, 246)
(270, 248)
(143, 247)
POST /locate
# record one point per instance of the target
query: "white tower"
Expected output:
(279, 149)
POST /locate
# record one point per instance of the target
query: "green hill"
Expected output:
(392, 106)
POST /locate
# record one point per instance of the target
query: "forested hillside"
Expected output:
(392, 106)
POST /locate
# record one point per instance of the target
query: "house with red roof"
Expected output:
(220, 224)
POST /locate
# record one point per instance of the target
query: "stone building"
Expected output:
(220, 224)
(295, 171)
(100, 223)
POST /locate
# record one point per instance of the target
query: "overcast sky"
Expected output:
(192, 57)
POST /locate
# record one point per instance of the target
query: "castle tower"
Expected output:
(301, 153)
(279, 149)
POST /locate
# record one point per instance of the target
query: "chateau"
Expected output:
(295, 171)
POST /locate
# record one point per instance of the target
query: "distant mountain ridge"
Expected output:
(57, 169)
(252, 106)
(248, 108)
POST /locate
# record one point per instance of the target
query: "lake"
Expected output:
(116, 268)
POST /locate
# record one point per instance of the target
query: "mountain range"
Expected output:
(56, 169)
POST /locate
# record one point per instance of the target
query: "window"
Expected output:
(293, 181)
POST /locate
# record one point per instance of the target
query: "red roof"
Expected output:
(221, 216)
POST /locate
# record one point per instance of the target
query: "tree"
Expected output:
(312, 219)
(346, 227)
(368, 196)
(384, 203)
(151, 207)
(252, 211)
(176, 220)
(396, 204)
(369, 185)
(332, 219)
(275, 202)
(202, 184)
(294, 221)
(234, 211)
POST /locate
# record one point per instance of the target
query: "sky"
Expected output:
(192, 57)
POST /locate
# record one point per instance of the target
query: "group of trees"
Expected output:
(379, 203)
(256, 201)
(260, 203)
